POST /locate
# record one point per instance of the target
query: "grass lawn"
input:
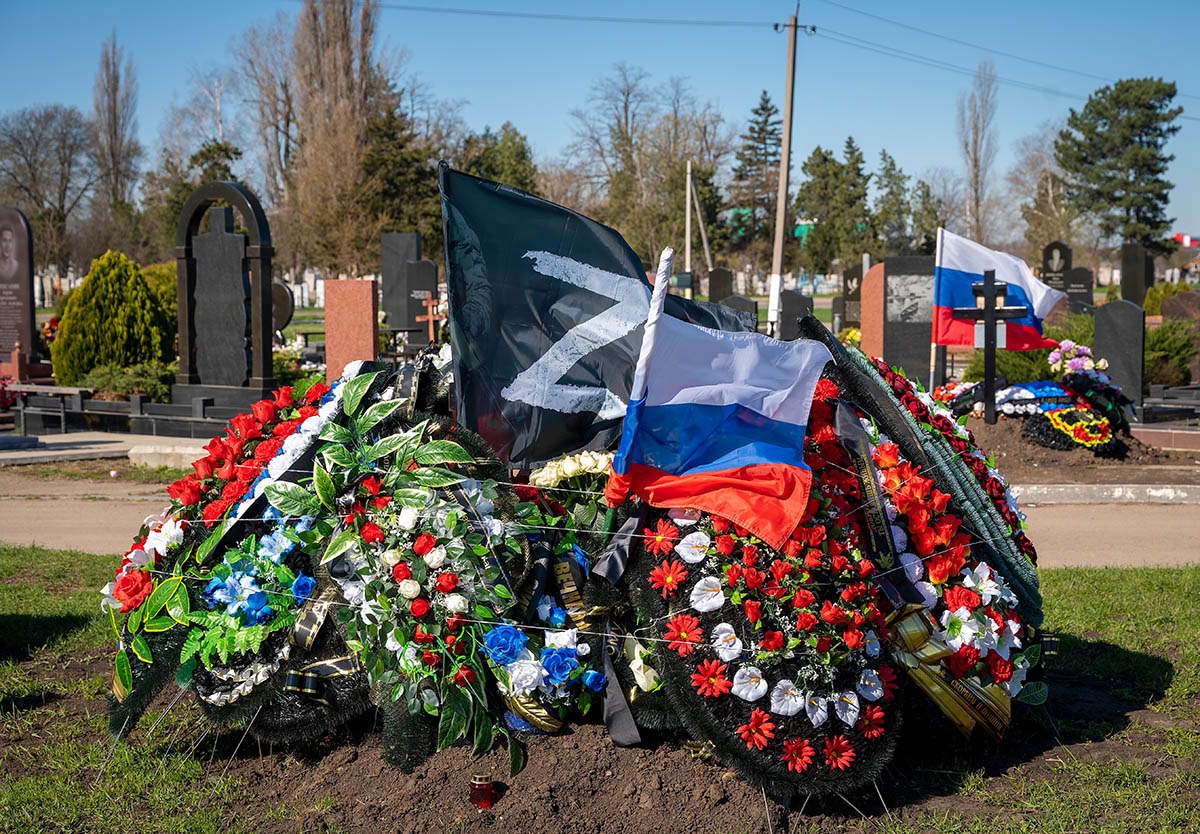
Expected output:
(101, 470)
(1117, 751)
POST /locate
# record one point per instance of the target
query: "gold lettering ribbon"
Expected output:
(920, 653)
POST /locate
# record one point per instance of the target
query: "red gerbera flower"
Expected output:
(798, 754)
(839, 753)
(660, 540)
(667, 576)
(870, 722)
(887, 676)
(711, 681)
(683, 633)
(759, 731)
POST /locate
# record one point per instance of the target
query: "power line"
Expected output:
(980, 46)
(644, 21)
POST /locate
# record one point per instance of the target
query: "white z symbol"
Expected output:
(539, 385)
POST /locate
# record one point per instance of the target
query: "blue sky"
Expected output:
(533, 72)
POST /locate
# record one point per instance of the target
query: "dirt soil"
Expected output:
(1021, 461)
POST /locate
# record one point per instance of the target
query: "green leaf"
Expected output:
(142, 649)
(158, 598)
(354, 391)
(210, 544)
(183, 673)
(323, 484)
(456, 712)
(435, 478)
(375, 414)
(516, 756)
(180, 605)
(484, 733)
(292, 499)
(124, 673)
(157, 624)
(135, 619)
(191, 645)
(1033, 654)
(442, 451)
(502, 592)
(409, 497)
(337, 455)
(284, 575)
(393, 443)
(339, 544)
(335, 432)
(1034, 693)
(483, 612)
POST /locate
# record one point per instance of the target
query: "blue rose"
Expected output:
(503, 643)
(594, 680)
(559, 663)
(558, 617)
(302, 588)
(258, 616)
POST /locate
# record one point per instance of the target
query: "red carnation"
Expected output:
(286, 428)
(307, 411)
(401, 571)
(827, 389)
(446, 582)
(371, 533)
(419, 607)
(315, 393)
(214, 510)
(424, 543)
(131, 589)
(267, 449)
(234, 490)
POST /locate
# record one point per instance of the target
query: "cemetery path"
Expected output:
(1115, 535)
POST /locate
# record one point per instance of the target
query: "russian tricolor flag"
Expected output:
(959, 264)
(716, 421)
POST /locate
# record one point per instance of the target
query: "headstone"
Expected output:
(720, 284)
(837, 310)
(1137, 272)
(907, 313)
(681, 284)
(222, 305)
(792, 307)
(743, 304)
(225, 299)
(852, 293)
(408, 282)
(1078, 285)
(351, 323)
(1056, 263)
(16, 285)
(1121, 339)
(283, 306)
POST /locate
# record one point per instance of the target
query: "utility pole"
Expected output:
(785, 159)
(687, 221)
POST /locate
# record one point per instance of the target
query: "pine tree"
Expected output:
(753, 193)
(855, 224)
(928, 213)
(1113, 162)
(503, 156)
(816, 200)
(892, 208)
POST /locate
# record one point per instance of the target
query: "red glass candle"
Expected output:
(483, 791)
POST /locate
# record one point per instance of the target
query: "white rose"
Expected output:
(589, 461)
(571, 467)
(525, 674)
(435, 558)
(565, 639)
(410, 588)
(391, 558)
(456, 603)
(408, 518)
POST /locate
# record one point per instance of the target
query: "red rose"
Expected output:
(419, 607)
(430, 658)
(263, 411)
(203, 467)
(464, 676)
(401, 571)
(886, 455)
(1000, 668)
(227, 470)
(725, 545)
(840, 563)
(131, 589)
(803, 598)
(371, 533)
(267, 449)
(853, 638)
(733, 573)
(314, 394)
(749, 555)
(865, 568)
(246, 427)
(720, 525)
(832, 614)
(422, 636)
(957, 597)
(824, 644)
(781, 569)
(772, 641)
(805, 621)
(447, 582)
(233, 447)
(963, 661)
(215, 510)
(187, 490)
(754, 578)
(792, 548)
(283, 397)
(216, 449)
(812, 559)
(753, 609)
(740, 530)
(454, 621)
(424, 543)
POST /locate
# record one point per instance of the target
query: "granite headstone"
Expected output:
(421, 282)
(223, 306)
(908, 313)
(742, 304)
(1137, 272)
(1121, 339)
(792, 307)
(720, 284)
(852, 296)
(1056, 263)
(283, 305)
(1078, 285)
(681, 283)
(397, 250)
(16, 284)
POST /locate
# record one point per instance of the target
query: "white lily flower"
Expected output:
(846, 707)
(693, 548)
(959, 628)
(981, 581)
(869, 685)
(707, 595)
(109, 600)
(1014, 684)
(726, 642)
(749, 684)
(786, 699)
(817, 708)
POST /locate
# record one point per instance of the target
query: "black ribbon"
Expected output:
(618, 717)
(616, 553)
(309, 680)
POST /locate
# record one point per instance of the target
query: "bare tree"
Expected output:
(265, 59)
(45, 161)
(977, 141)
(211, 106)
(560, 181)
(1035, 185)
(115, 101)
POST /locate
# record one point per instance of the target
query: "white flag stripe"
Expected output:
(959, 253)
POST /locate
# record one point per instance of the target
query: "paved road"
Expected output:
(99, 517)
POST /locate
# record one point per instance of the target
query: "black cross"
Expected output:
(992, 316)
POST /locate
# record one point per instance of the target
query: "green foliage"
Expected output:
(163, 279)
(152, 379)
(1030, 365)
(755, 181)
(1113, 161)
(928, 213)
(1158, 292)
(835, 196)
(113, 319)
(1113, 293)
(503, 156)
(214, 161)
(285, 365)
(892, 207)
(1169, 351)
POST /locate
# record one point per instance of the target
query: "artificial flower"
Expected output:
(435, 558)
(456, 603)
(661, 540)
(853, 638)
(758, 731)
(725, 545)
(302, 588)
(187, 491)
(845, 705)
(839, 753)
(683, 633)
(963, 660)
(504, 644)
(446, 582)
(803, 598)
(816, 708)
(753, 610)
(419, 607)
(1000, 668)
(749, 684)
(772, 641)
(786, 699)
(871, 644)
(869, 685)
(558, 663)
(131, 589)
(693, 548)
(430, 658)
(833, 614)
(465, 675)
(424, 543)
(525, 674)
(707, 595)
(710, 680)
(805, 621)
(798, 754)
(979, 579)
(959, 628)
(371, 533)
(870, 723)
(594, 680)
(725, 642)
(667, 576)
(409, 588)
(568, 638)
